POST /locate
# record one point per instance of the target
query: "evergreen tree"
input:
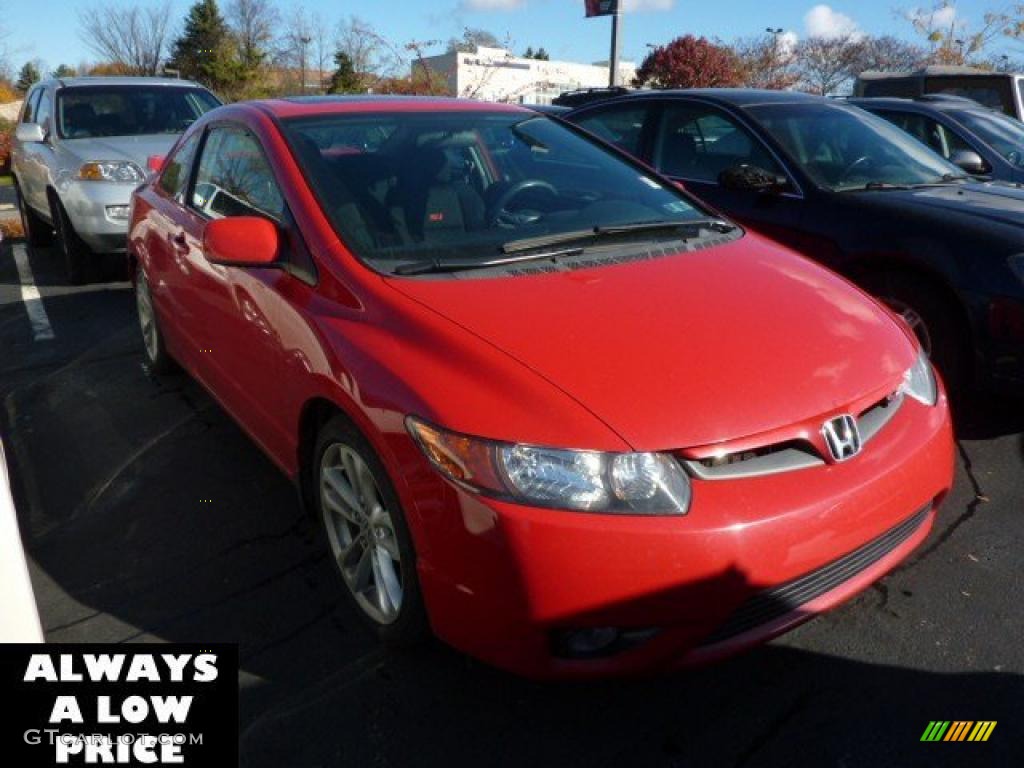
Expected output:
(27, 77)
(64, 71)
(542, 55)
(204, 51)
(529, 53)
(345, 79)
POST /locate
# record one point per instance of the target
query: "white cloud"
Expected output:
(491, 5)
(632, 6)
(822, 21)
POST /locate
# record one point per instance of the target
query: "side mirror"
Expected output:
(241, 241)
(30, 133)
(969, 161)
(155, 163)
(750, 178)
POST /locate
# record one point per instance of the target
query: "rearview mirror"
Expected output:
(969, 161)
(155, 163)
(30, 133)
(751, 178)
(241, 241)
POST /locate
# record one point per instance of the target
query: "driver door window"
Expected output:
(234, 178)
(696, 143)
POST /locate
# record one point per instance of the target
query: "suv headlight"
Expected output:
(111, 170)
(586, 481)
(919, 381)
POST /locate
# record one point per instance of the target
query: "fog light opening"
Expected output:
(118, 212)
(598, 642)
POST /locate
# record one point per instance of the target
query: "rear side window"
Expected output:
(927, 131)
(621, 126)
(697, 142)
(175, 173)
(234, 178)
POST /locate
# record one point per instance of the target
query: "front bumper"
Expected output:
(87, 202)
(502, 580)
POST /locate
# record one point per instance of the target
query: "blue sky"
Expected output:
(48, 31)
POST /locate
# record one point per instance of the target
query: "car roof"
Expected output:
(921, 105)
(303, 106)
(737, 97)
(98, 80)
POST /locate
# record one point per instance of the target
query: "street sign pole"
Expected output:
(613, 75)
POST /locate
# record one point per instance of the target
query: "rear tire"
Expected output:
(76, 255)
(366, 534)
(936, 321)
(152, 339)
(37, 231)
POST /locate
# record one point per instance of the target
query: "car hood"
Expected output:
(137, 149)
(986, 202)
(688, 349)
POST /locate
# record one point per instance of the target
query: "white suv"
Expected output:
(82, 145)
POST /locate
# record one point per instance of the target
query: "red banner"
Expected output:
(601, 7)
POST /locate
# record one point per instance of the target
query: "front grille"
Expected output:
(776, 602)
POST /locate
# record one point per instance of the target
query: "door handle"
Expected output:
(179, 241)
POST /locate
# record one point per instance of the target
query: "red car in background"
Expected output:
(543, 401)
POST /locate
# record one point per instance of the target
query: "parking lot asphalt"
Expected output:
(148, 516)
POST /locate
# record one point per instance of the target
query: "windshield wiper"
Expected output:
(458, 265)
(876, 185)
(718, 225)
(612, 230)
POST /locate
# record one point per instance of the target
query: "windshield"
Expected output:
(843, 148)
(457, 186)
(129, 110)
(1004, 134)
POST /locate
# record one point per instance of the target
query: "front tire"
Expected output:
(366, 533)
(76, 254)
(152, 339)
(934, 319)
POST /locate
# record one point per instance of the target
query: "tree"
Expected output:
(529, 53)
(295, 44)
(542, 55)
(826, 64)
(252, 24)
(890, 54)
(130, 37)
(63, 70)
(950, 39)
(204, 50)
(27, 77)
(345, 79)
(471, 39)
(372, 56)
(688, 62)
(766, 61)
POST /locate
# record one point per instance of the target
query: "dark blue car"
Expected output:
(856, 193)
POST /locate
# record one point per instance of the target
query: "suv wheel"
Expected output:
(76, 255)
(37, 231)
(366, 533)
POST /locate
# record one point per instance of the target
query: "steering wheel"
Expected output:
(862, 160)
(499, 214)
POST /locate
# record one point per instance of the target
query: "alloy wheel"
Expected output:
(361, 533)
(147, 318)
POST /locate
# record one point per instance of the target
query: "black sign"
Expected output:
(109, 704)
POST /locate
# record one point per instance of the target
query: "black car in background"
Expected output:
(980, 141)
(851, 190)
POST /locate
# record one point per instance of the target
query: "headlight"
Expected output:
(1017, 265)
(919, 381)
(586, 481)
(112, 170)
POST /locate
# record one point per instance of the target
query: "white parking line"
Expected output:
(41, 328)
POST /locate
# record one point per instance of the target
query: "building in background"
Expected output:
(495, 74)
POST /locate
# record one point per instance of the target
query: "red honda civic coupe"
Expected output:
(543, 402)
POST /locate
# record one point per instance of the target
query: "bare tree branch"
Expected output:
(132, 37)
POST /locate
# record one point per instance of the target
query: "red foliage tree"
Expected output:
(689, 62)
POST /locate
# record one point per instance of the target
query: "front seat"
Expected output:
(429, 200)
(678, 154)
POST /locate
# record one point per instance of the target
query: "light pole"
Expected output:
(773, 68)
(613, 75)
(304, 40)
